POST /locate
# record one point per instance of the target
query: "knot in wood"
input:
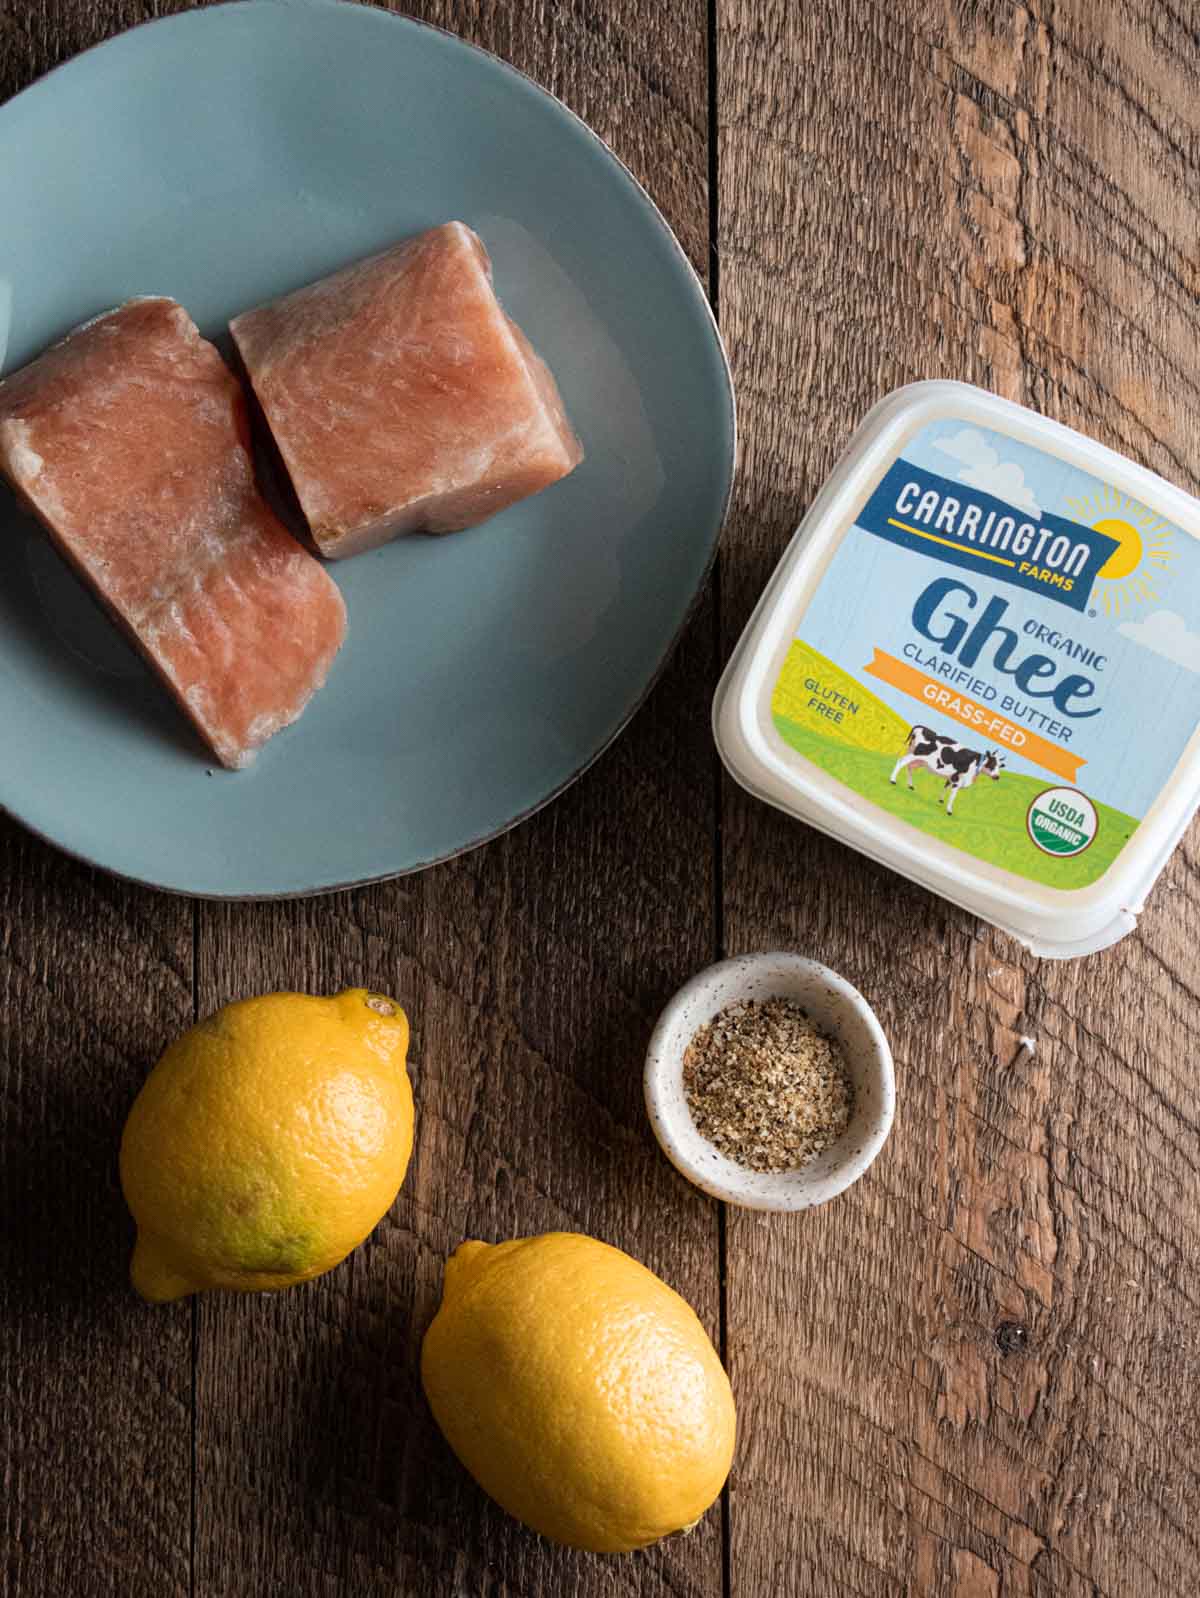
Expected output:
(1011, 1338)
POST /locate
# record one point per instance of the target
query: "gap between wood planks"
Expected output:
(714, 296)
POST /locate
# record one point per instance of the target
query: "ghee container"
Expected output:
(978, 662)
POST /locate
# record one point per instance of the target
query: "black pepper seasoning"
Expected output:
(764, 1087)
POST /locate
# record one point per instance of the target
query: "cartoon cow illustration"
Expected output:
(945, 758)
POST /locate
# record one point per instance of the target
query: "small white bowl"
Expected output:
(836, 1009)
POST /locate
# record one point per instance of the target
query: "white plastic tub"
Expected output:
(1006, 615)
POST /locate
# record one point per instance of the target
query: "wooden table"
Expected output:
(977, 1374)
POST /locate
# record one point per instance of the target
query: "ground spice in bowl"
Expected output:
(764, 1087)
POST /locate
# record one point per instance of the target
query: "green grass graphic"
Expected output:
(989, 817)
(871, 724)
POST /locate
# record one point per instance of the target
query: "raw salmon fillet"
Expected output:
(129, 440)
(401, 396)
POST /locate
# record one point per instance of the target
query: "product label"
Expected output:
(1004, 652)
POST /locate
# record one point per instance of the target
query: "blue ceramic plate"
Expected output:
(224, 156)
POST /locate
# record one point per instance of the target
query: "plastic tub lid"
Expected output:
(978, 662)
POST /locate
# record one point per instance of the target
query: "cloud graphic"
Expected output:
(1165, 633)
(983, 469)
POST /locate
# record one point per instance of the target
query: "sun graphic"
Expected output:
(1145, 548)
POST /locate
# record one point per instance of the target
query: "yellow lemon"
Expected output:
(579, 1390)
(267, 1142)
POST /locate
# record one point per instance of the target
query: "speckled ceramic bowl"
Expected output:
(839, 1011)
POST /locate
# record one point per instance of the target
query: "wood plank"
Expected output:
(532, 971)
(974, 1374)
(95, 1389)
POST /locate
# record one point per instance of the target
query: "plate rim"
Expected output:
(700, 294)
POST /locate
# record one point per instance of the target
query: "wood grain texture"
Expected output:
(95, 1390)
(976, 1373)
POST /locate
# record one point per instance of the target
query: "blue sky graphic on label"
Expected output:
(983, 634)
(949, 521)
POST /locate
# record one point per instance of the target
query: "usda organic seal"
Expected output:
(1062, 821)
